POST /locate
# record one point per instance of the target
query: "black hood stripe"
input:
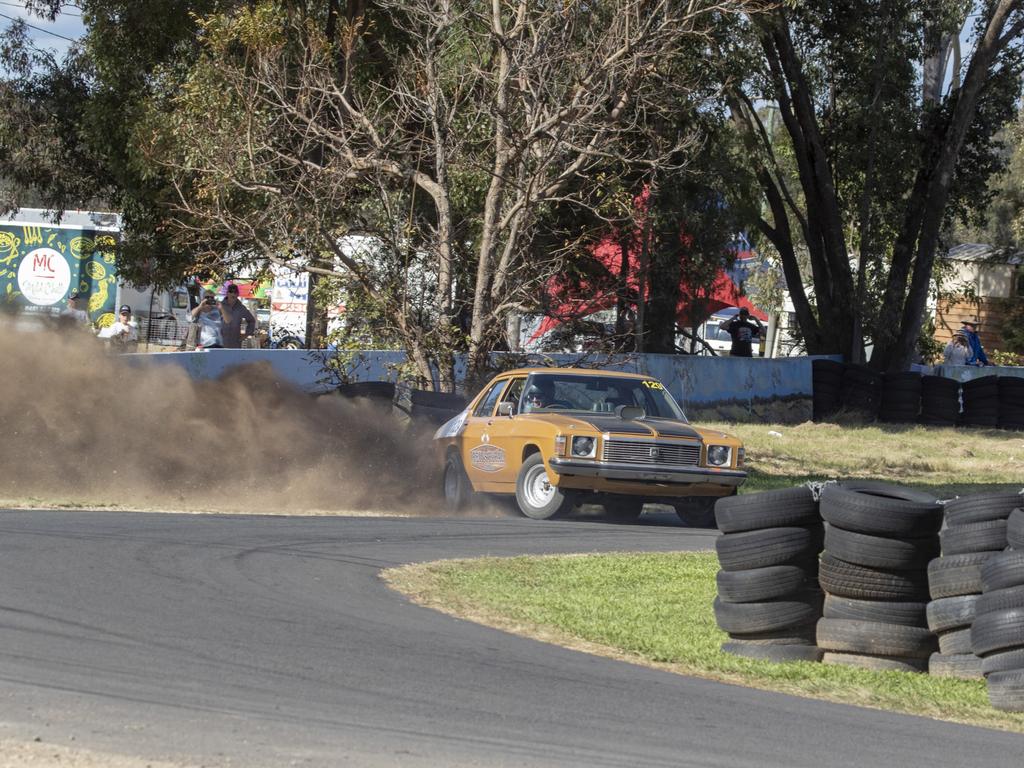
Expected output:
(615, 424)
(656, 428)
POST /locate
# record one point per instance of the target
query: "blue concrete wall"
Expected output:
(726, 387)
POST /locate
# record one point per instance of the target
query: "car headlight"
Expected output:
(740, 456)
(719, 455)
(560, 445)
(584, 447)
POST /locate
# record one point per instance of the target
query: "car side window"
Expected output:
(486, 406)
(514, 393)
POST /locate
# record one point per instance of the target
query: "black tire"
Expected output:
(911, 614)
(760, 584)
(1006, 690)
(778, 653)
(1002, 570)
(803, 634)
(1000, 600)
(1003, 661)
(875, 638)
(986, 536)
(997, 631)
(768, 616)
(623, 508)
(455, 486)
(850, 580)
(940, 385)
(965, 666)
(980, 507)
(894, 554)
(696, 511)
(949, 613)
(534, 502)
(956, 574)
(862, 511)
(769, 509)
(1015, 528)
(771, 546)
(876, 663)
(378, 390)
(955, 641)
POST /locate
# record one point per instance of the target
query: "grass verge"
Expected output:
(655, 609)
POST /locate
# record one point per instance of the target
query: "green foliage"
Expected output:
(1011, 325)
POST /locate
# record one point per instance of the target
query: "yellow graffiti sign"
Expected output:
(95, 270)
(82, 247)
(8, 247)
(32, 235)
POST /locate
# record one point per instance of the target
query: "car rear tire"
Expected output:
(536, 497)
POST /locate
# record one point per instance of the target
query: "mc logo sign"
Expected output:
(44, 276)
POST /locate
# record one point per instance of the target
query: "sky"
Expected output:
(53, 35)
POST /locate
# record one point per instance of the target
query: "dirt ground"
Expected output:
(17, 754)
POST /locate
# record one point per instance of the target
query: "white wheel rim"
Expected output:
(538, 489)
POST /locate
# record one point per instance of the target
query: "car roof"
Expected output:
(575, 372)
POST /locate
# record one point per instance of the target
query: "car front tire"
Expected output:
(456, 487)
(536, 497)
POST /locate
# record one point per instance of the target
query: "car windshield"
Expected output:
(546, 392)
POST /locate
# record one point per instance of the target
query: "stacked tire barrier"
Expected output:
(826, 386)
(862, 389)
(988, 401)
(940, 401)
(1011, 402)
(997, 634)
(879, 539)
(975, 530)
(981, 402)
(768, 597)
(901, 397)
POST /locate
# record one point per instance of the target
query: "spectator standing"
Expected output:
(210, 316)
(237, 311)
(957, 351)
(122, 334)
(73, 316)
(978, 357)
(743, 331)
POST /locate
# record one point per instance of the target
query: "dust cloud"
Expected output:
(79, 426)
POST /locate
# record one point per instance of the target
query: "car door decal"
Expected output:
(487, 458)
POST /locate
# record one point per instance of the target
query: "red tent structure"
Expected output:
(585, 297)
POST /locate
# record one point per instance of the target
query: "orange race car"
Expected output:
(556, 437)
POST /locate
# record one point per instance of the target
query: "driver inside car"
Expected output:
(539, 396)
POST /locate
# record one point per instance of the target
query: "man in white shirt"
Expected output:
(122, 334)
(73, 316)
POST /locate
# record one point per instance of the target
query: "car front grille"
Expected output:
(651, 452)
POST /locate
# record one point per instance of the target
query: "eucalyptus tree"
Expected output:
(887, 131)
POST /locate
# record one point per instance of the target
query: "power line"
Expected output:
(38, 29)
(62, 12)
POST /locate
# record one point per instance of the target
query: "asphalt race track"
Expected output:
(251, 641)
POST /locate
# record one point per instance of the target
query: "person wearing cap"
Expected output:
(957, 351)
(73, 315)
(970, 330)
(122, 333)
(231, 329)
(743, 332)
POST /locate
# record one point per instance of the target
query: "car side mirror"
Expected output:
(507, 408)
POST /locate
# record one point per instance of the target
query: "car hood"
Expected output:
(612, 424)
